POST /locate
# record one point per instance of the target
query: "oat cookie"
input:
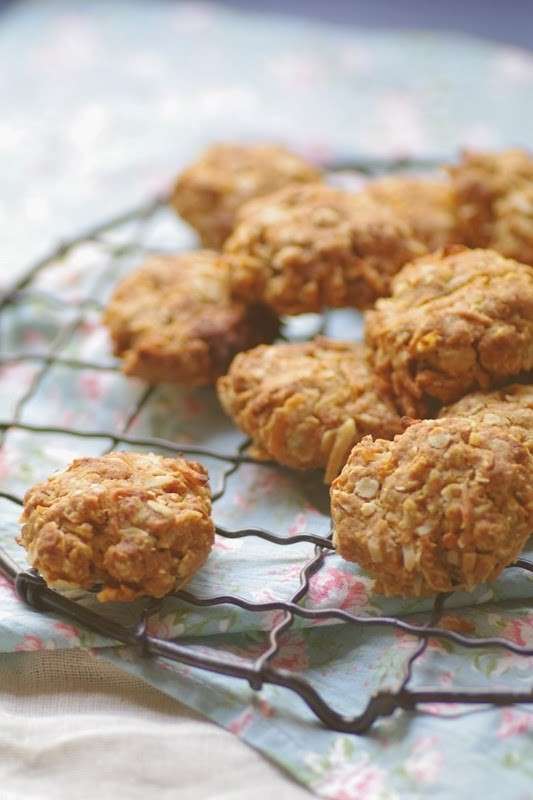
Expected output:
(458, 320)
(494, 198)
(446, 505)
(306, 405)
(308, 247)
(209, 192)
(136, 524)
(427, 204)
(173, 320)
(509, 407)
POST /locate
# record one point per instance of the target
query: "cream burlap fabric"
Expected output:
(75, 728)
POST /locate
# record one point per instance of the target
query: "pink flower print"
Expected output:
(289, 573)
(458, 624)
(32, 336)
(241, 722)
(298, 526)
(92, 385)
(514, 722)
(272, 618)
(164, 627)
(30, 643)
(345, 774)
(519, 631)
(19, 375)
(241, 501)
(407, 641)
(88, 326)
(446, 679)
(227, 545)
(334, 587)
(265, 480)
(66, 630)
(312, 511)
(404, 640)
(359, 781)
(443, 709)
(180, 669)
(425, 761)
(265, 708)
(68, 418)
(4, 465)
(156, 627)
(292, 654)
(512, 661)
(6, 586)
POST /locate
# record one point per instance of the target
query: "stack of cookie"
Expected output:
(428, 448)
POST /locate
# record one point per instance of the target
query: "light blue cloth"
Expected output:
(106, 101)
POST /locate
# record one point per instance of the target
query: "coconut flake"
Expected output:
(439, 440)
(367, 488)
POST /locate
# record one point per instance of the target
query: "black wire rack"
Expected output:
(260, 671)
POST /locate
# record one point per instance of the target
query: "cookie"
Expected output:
(209, 192)
(306, 405)
(446, 505)
(173, 320)
(510, 407)
(457, 320)
(427, 205)
(305, 248)
(135, 524)
(493, 194)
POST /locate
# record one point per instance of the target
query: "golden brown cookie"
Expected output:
(494, 199)
(457, 320)
(426, 204)
(308, 247)
(510, 407)
(446, 505)
(209, 192)
(137, 524)
(173, 320)
(306, 405)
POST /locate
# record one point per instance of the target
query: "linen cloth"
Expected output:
(73, 728)
(121, 95)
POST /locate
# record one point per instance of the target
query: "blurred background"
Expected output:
(505, 22)
(104, 101)
(511, 21)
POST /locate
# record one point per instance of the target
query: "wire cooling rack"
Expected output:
(260, 671)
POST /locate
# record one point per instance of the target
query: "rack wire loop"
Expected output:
(264, 670)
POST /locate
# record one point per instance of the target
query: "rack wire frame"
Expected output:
(261, 671)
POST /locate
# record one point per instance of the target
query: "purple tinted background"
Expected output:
(511, 21)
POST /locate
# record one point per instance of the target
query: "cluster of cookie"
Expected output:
(430, 459)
